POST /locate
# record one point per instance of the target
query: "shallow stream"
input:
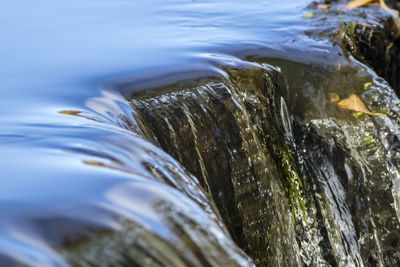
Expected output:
(196, 133)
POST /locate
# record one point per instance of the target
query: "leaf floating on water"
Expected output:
(70, 112)
(95, 163)
(309, 15)
(357, 3)
(78, 114)
(326, 6)
(354, 103)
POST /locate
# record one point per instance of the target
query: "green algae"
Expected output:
(293, 183)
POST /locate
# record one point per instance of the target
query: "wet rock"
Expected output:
(319, 187)
(188, 243)
(316, 188)
(233, 135)
(350, 168)
(377, 46)
(137, 207)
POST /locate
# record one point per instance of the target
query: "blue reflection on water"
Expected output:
(57, 56)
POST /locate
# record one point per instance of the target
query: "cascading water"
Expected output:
(320, 165)
(220, 132)
(246, 152)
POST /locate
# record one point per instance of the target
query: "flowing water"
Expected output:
(193, 133)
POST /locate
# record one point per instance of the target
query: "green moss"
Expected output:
(368, 140)
(367, 85)
(357, 114)
(293, 182)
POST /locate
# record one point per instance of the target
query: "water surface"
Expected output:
(68, 164)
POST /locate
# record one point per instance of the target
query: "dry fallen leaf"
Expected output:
(382, 4)
(354, 103)
(324, 6)
(373, 4)
(357, 3)
(392, 11)
(77, 113)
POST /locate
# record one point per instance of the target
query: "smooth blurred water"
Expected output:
(80, 183)
(58, 55)
(61, 173)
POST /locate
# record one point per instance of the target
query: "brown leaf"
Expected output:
(354, 103)
(392, 11)
(357, 3)
(324, 6)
